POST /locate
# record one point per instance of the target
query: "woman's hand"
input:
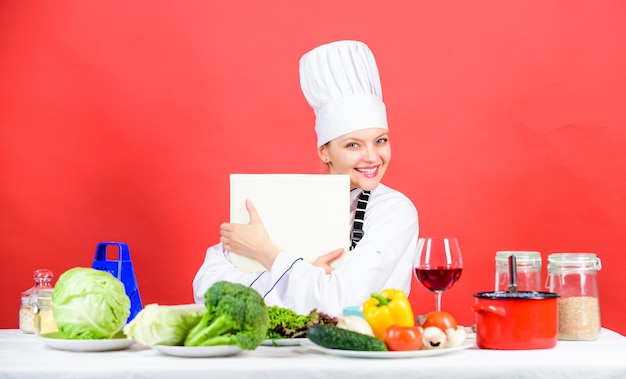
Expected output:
(325, 260)
(250, 240)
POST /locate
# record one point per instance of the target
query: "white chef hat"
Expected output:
(340, 81)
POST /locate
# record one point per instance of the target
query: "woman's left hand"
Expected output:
(325, 260)
(250, 240)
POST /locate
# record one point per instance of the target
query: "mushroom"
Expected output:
(455, 336)
(434, 338)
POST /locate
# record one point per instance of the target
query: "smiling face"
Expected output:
(363, 154)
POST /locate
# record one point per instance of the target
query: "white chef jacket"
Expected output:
(382, 259)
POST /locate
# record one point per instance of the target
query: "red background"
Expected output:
(120, 121)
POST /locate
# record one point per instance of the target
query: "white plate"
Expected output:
(56, 341)
(385, 354)
(198, 351)
(283, 342)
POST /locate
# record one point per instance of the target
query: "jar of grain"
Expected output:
(574, 276)
(43, 280)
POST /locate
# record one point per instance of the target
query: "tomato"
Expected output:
(442, 320)
(401, 338)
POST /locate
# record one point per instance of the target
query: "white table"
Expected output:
(24, 356)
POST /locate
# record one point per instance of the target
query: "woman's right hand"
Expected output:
(250, 240)
(325, 260)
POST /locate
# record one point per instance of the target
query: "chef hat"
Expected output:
(340, 82)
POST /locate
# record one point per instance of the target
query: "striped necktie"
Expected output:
(359, 215)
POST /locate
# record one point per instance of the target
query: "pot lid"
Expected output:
(520, 295)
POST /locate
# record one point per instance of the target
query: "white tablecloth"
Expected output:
(25, 356)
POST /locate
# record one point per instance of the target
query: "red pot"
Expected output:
(516, 321)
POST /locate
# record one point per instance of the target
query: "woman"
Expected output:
(341, 83)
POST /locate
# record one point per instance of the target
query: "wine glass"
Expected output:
(438, 264)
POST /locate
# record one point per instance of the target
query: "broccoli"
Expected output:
(235, 314)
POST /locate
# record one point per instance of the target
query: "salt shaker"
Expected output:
(574, 277)
(528, 264)
(43, 280)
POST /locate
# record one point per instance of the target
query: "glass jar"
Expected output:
(574, 277)
(42, 306)
(43, 280)
(528, 264)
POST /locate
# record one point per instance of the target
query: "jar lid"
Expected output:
(521, 257)
(43, 279)
(574, 261)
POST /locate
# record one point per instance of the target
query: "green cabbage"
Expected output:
(164, 324)
(89, 304)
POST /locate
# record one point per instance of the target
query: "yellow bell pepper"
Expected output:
(389, 307)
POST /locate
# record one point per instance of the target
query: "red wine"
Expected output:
(438, 278)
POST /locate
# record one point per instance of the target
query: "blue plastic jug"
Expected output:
(122, 269)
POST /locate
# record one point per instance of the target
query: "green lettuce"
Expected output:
(164, 324)
(285, 323)
(89, 304)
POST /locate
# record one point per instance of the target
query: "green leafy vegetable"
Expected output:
(164, 324)
(285, 323)
(235, 314)
(89, 304)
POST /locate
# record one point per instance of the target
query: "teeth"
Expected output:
(367, 171)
